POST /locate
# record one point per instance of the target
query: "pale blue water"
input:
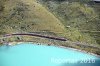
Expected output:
(39, 55)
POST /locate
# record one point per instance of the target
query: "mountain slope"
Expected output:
(31, 16)
(27, 16)
(79, 18)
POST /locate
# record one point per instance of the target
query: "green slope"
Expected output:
(27, 16)
(60, 18)
(80, 18)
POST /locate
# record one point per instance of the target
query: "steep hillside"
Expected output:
(27, 16)
(19, 16)
(77, 16)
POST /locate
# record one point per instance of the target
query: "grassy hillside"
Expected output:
(27, 16)
(77, 16)
(60, 17)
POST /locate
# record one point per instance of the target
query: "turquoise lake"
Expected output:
(27, 54)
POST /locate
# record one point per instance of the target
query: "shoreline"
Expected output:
(74, 49)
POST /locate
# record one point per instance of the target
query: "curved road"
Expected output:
(37, 35)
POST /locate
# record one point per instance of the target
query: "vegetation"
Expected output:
(28, 17)
(77, 16)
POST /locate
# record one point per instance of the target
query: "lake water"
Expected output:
(27, 54)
